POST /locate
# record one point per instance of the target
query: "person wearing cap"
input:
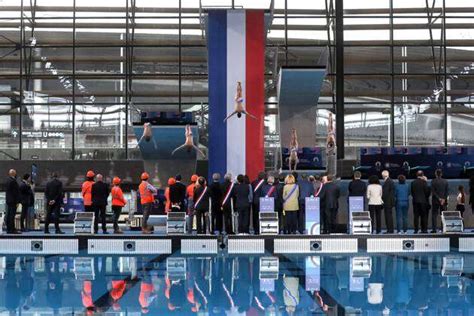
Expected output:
(87, 191)
(190, 198)
(178, 195)
(118, 202)
(171, 181)
(147, 198)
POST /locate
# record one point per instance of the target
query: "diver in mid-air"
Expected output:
(188, 143)
(239, 104)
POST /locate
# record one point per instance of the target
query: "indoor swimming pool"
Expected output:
(405, 284)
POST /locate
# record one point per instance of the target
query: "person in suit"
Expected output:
(100, 193)
(215, 192)
(12, 195)
(420, 191)
(178, 195)
(54, 195)
(279, 202)
(241, 196)
(439, 198)
(306, 190)
(257, 186)
(226, 202)
(388, 197)
(201, 205)
(329, 196)
(402, 193)
(357, 187)
(26, 197)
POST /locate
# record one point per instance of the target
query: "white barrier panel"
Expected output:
(385, 245)
(316, 245)
(246, 246)
(199, 246)
(39, 246)
(466, 244)
(129, 246)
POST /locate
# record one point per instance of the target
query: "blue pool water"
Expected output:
(433, 284)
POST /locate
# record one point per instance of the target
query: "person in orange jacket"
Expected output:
(87, 191)
(147, 198)
(118, 202)
(171, 181)
(190, 196)
(118, 288)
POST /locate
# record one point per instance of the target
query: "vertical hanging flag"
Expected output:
(236, 53)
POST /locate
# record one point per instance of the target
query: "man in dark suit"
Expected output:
(12, 195)
(26, 199)
(241, 196)
(54, 197)
(227, 189)
(215, 192)
(257, 186)
(100, 193)
(388, 198)
(306, 190)
(329, 196)
(357, 187)
(178, 195)
(420, 192)
(439, 198)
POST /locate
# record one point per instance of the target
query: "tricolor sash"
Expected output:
(258, 185)
(291, 193)
(270, 192)
(200, 198)
(227, 195)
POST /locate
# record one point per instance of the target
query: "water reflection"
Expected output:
(225, 285)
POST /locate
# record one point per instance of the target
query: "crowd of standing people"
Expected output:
(232, 206)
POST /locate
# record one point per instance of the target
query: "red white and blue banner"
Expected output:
(236, 52)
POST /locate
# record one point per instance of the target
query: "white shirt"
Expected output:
(374, 194)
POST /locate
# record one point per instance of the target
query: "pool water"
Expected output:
(425, 284)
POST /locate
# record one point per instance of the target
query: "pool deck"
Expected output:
(134, 243)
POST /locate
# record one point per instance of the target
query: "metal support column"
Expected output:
(392, 77)
(73, 132)
(180, 57)
(22, 43)
(445, 78)
(340, 78)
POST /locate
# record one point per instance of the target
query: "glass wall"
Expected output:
(74, 74)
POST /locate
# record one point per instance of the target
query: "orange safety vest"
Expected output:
(117, 197)
(146, 290)
(118, 287)
(190, 190)
(86, 294)
(87, 192)
(146, 196)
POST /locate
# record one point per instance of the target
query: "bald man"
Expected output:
(12, 194)
(100, 194)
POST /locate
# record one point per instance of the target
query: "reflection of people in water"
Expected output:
(55, 286)
(239, 104)
(293, 160)
(189, 142)
(147, 135)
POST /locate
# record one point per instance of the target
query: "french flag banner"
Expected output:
(236, 53)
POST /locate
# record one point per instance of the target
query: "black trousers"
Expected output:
(255, 219)
(52, 210)
(10, 218)
(24, 216)
(99, 211)
(217, 219)
(291, 218)
(420, 215)
(146, 209)
(117, 211)
(89, 208)
(227, 213)
(201, 220)
(388, 213)
(330, 216)
(436, 209)
(302, 217)
(244, 220)
(376, 217)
